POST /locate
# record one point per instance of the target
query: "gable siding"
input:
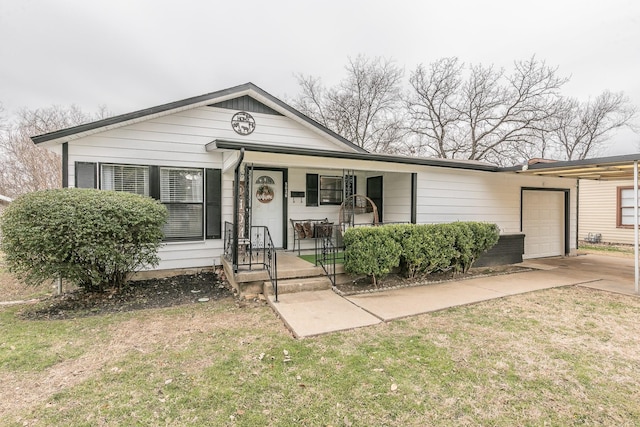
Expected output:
(598, 204)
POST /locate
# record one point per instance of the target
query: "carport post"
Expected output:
(635, 220)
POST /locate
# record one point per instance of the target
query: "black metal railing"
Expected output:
(329, 249)
(255, 252)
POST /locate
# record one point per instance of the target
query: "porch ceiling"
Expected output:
(604, 168)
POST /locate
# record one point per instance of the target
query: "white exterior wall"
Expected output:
(446, 195)
(598, 204)
(396, 197)
(179, 140)
(443, 194)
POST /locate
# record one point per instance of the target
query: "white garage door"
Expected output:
(543, 223)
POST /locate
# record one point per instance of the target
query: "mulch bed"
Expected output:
(208, 286)
(143, 294)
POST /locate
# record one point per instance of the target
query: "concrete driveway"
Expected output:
(314, 313)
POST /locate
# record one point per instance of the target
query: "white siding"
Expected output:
(446, 195)
(598, 204)
(179, 140)
(396, 197)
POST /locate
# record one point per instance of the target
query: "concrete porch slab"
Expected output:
(313, 313)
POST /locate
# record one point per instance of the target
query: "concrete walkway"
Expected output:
(314, 313)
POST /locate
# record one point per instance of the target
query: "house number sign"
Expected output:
(243, 123)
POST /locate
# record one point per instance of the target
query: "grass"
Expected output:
(606, 248)
(558, 357)
(312, 258)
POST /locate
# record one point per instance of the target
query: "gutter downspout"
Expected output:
(236, 194)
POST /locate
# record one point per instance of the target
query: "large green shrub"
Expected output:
(91, 238)
(472, 239)
(426, 248)
(417, 249)
(370, 250)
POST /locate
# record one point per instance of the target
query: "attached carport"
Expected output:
(615, 168)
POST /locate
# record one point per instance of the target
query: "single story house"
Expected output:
(240, 156)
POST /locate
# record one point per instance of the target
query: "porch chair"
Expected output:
(357, 210)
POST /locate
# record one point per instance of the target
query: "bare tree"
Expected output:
(581, 129)
(363, 108)
(26, 167)
(478, 112)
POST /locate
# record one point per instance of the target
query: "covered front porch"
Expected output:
(283, 204)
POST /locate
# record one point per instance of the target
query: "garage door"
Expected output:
(543, 223)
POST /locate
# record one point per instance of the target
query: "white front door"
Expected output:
(543, 223)
(267, 203)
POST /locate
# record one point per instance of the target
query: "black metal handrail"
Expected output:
(327, 251)
(257, 251)
(264, 252)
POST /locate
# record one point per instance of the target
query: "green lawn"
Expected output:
(558, 357)
(312, 258)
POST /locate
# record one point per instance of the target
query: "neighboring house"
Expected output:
(606, 211)
(201, 155)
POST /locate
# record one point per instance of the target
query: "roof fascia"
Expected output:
(237, 145)
(597, 161)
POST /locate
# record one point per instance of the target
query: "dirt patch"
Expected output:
(396, 281)
(143, 294)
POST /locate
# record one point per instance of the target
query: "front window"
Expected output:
(127, 178)
(182, 192)
(330, 190)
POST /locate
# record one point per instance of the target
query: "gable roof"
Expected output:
(217, 98)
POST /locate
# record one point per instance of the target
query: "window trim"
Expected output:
(202, 204)
(619, 207)
(339, 190)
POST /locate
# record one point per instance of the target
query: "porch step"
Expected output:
(290, 286)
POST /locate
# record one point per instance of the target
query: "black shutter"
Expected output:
(312, 189)
(85, 175)
(154, 182)
(213, 199)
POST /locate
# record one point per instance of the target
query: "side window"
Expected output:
(85, 175)
(625, 207)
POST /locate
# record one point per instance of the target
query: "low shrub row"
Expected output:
(417, 249)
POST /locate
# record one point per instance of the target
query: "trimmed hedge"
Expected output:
(423, 249)
(91, 238)
(371, 250)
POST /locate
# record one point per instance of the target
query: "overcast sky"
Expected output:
(133, 54)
